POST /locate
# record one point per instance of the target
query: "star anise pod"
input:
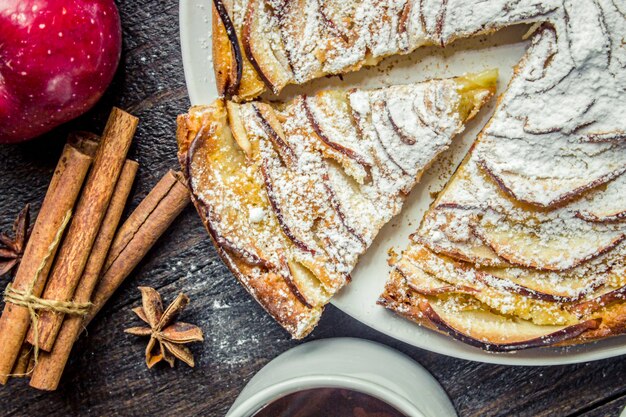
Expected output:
(12, 249)
(167, 337)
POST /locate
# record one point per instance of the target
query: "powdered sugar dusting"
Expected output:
(297, 200)
(530, 229)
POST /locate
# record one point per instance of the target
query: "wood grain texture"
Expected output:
(107, 374)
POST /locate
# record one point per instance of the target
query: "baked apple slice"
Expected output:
(568, 286)
(588, 280)
(330, 116)
(424, 283)
(333, 37)
(600, 302)
(227, 54)
(602, 206)
(264, 47)
(234, 74)
(585, 281)
(298, 20)
(498, 333)
(306, 284)
(342, 49)
(556, 244)
(359, 213)
(381, 21)
(549, 190)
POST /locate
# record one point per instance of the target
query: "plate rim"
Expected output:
(592, 351)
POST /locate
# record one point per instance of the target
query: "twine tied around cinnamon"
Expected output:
(27, 299)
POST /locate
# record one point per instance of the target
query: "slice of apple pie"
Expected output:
(259, 44)
(292, 194)
(526, 245)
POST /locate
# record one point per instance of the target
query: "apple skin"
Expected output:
(57, 58)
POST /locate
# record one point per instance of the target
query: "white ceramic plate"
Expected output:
(502, 50)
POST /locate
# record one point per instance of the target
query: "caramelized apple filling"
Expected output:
(460, 280)
(473, 88)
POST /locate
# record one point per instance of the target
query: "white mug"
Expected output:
(348, 363)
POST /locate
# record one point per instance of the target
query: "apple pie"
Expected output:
(293, 193)
(526, 244)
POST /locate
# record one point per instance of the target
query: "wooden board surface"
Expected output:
(107, 374)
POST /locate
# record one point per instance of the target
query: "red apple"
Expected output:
(57, 57)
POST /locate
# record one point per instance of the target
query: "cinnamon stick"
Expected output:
(40, 250)
(21, 367)
(139, 233)
(83, 142)
(50, 366)
(85, 224)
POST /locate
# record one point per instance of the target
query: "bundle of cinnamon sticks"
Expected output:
(77, 256)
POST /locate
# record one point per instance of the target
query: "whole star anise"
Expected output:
(12, 249)
(167, 337)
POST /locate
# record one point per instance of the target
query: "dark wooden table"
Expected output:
(107, 374)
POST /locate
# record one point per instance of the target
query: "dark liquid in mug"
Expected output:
(328, 402)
